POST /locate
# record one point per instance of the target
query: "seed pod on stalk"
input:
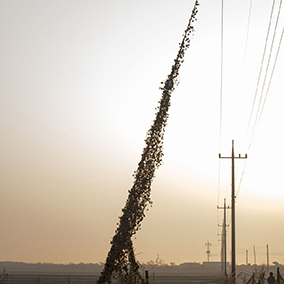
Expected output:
(121, 263)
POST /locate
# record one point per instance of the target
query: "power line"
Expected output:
(270, 80)
(221, 100)
(247, 36)
(266, 71)
(245, 54)
(221, 82)
(221, 92)
(260, 71)
(244, 63)
(259, 113)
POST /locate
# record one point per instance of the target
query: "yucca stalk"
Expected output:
(121, 262)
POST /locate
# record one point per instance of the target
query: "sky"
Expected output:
(79, 84)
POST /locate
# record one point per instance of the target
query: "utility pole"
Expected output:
(254, 254)
(233, 264)
(267, 258)
(224, 239)
(246, 257)
(222, 250)
(208, 251)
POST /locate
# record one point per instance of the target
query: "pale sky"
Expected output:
(79, 83)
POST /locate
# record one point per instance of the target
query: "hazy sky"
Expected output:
(79, 83)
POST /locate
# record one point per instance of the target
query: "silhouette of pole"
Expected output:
(224, 238)
(233, 263)
(267, 254)
(208, 251)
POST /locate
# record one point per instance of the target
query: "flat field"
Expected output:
(88, 278)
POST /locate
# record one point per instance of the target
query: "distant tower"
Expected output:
(208, 251)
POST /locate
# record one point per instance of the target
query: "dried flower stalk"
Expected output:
(121, 262)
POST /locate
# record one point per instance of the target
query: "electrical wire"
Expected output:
(257, 119)
(244, 63)
(264, 99)
(260, 71)
(271, 76)
(221, 93)
(266, 71)
(247, 36)
(221, 82)
(221, 111)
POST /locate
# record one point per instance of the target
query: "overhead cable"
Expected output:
(247, 36)
(221, 95)
(271, 76)
(260, 71)
(272, 72)
(259, 112)
(266, 71)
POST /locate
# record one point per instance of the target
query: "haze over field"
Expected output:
(79, 86)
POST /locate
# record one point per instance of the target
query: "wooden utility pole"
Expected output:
(224, 239)
(208, 251)
(233, 263)
(267, 252)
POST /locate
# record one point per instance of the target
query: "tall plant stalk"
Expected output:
(121, 262)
